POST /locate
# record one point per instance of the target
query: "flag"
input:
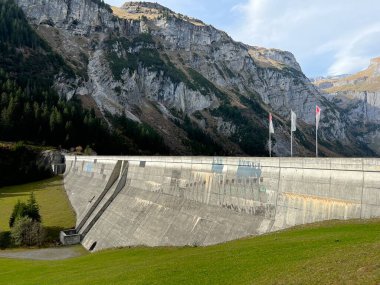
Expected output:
(317, 116)
(293, 119)
(271, 129)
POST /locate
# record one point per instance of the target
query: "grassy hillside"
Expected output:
(55, 208)
(327, 253)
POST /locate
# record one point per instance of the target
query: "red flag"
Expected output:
(317, 116)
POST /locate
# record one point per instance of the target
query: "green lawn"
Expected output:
(55, 207)
(326, 253)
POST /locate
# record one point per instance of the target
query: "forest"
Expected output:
(32, 111)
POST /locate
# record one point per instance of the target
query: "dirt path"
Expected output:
(44, 254)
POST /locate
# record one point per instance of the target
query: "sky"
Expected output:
(328, 37)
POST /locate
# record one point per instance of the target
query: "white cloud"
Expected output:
(326, 36)
(356, 52)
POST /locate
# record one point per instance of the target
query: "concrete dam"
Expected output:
(175, 201)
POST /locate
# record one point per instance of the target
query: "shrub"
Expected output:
(29, 209)
(19, 146)
(5, 240)
(26, 232)
(79, 149)
(88, 151)
(19, 210)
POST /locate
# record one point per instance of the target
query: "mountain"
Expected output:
(358, 96)
(31, 109)
(325, 82)
(190, 85)
(367, 80)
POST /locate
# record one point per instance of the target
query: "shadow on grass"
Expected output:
(24, 189)
(50, 185)
(52, 235)
(5, 240)
(13, 195)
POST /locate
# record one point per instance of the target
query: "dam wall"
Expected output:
(175, 201)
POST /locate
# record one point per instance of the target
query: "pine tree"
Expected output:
(32, 208)
(29, 209)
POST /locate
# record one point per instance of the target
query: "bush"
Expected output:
(29, 209)
(79, 149)
(26, 232)
(88, 151)
(5, 240)
(19, 210)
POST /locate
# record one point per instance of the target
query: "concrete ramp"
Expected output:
(205, 200)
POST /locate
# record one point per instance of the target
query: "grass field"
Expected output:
(326, 253)
(55, 208)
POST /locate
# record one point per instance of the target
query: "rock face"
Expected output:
(160, 67)
(358, 95)
(81, 17)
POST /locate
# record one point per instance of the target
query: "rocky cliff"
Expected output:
(188, 80)
(358, 96)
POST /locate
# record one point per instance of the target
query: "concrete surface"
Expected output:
(69, 237)
(43, 254)
(206, 200)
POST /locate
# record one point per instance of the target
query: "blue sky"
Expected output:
(328, 37)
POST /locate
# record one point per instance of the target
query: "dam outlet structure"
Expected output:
(175, 201)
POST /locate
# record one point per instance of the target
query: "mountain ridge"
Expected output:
(179, 77)
(365, 80)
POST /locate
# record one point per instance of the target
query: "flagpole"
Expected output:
(271, 130)
(270, 144)
(291, 143)
(291, 132)
(317, 118)
(316, 141)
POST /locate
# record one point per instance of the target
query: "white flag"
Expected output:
(293, 119)
(271, 129)
(317, 116)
